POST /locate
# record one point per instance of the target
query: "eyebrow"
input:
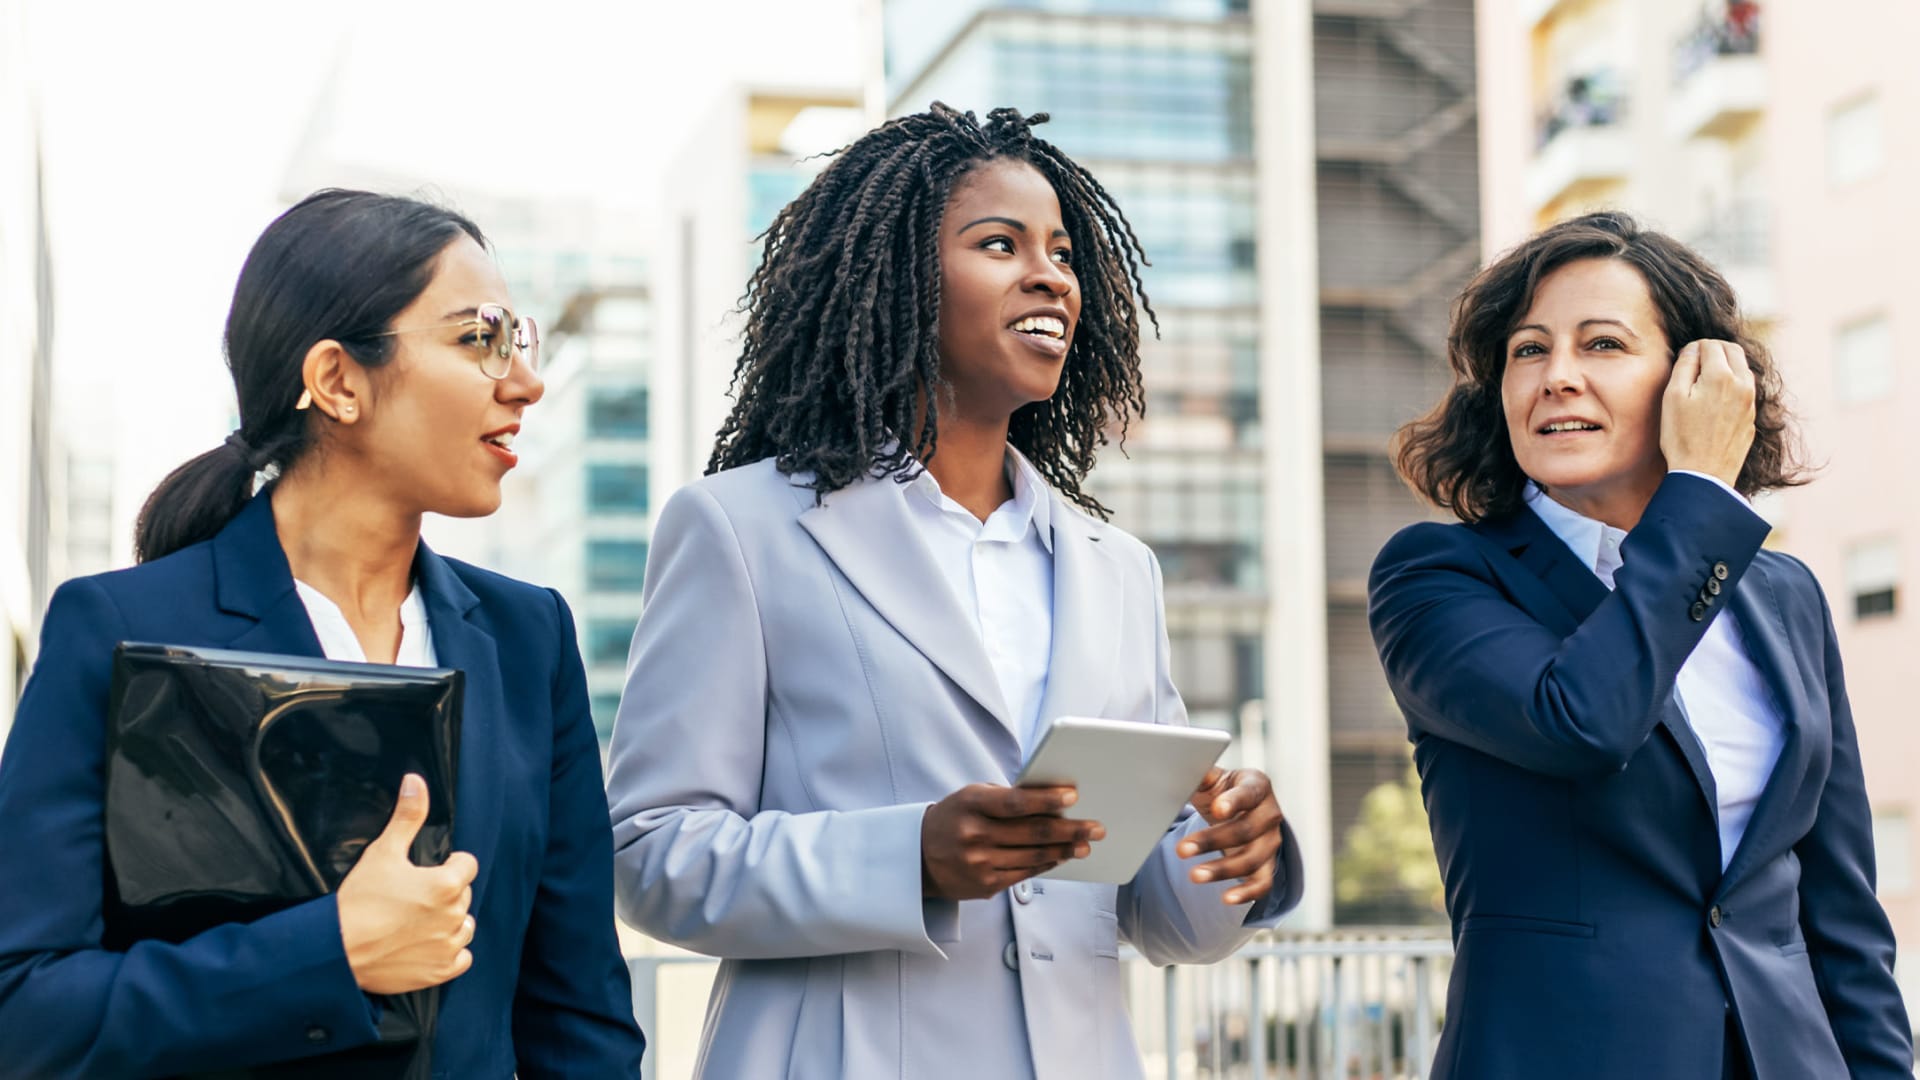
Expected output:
(1584, 323)
(1019, 226)
(463, 312)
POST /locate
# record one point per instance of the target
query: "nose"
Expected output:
(1562, 375)
(523, 385)
(1049, 277)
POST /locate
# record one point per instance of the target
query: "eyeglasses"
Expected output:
(496, 334)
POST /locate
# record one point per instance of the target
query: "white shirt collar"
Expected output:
(1031, 504)
(1595, 543)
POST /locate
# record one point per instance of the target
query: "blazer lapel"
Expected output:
(460, 642)
(1087, 614)
(1578, 591)
(866, 530)
(252, 580)
(1764, 633)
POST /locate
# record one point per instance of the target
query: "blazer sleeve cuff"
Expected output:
(1716, 482)
(315, 992)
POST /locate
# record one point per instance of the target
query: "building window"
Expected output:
(616, 565)
(1893, 850)
(1854, 142)
(607, 640)
(617, 412)
(1873, 578)
(617, 488)
(1863, 361)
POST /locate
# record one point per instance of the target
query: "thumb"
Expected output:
(409, 814)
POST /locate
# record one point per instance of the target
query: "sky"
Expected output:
(167, 133)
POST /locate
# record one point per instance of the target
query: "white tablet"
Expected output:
(1133, 778)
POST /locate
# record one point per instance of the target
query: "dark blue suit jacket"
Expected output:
(548, 993)
(1573, 811)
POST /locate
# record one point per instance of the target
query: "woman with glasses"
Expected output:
(380, 377)
(862, 621)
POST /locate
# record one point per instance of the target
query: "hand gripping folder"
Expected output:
(240, 784)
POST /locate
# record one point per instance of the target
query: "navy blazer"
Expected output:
(548, 993)
(1573, 811)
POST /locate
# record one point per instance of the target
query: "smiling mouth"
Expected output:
(1041, 326)
(503, 440)
(1567, 427)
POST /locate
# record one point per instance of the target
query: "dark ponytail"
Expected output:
(339, 266)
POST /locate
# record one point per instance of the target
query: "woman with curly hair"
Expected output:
(865, 616)
(1629, 718)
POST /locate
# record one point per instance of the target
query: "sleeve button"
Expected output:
(1720, 571)
(1713, 586)
(317, 1034)
(1698, 612)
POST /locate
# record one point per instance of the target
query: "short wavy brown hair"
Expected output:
(1460, 457)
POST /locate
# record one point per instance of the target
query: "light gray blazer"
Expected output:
(802, 686)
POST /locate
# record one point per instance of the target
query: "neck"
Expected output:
(971, 463)
(1619, 504)
(346, 541)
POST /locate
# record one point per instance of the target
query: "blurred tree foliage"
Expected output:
(1386, 873)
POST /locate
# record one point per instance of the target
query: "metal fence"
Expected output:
(1352, 1005)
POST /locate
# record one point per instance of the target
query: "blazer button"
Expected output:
(1010, 956)
(1713, 586)
(317, 1034)
(1698, 612)
(1720, 571)
(1713, 916)
(1023, 892)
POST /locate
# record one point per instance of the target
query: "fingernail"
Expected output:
(1081, 851)
(1099, 832)
(1203, 874)
(412, 786)
(1189, 850)
(1069, 798)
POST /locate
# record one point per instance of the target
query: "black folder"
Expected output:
(240, 784)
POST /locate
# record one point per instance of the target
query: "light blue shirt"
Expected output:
(1721, 691)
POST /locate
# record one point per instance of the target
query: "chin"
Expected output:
(475, 507)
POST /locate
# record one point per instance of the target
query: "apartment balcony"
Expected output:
(1578, 160)
(1721, 100)
(1581, 138)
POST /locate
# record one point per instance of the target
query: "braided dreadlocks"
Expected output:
(839, 374)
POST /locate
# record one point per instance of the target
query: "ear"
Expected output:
(337, 384)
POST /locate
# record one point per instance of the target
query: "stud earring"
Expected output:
(348, 410)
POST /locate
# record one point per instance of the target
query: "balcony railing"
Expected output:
(1734, 31)
(1584, 101)
(1285, 1007)
(1720, 83)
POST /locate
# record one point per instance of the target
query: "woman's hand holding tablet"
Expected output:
(1243, 819)
(985, 837)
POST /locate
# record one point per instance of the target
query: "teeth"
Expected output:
(1042, 324)
(1570, 425)
(504, 440)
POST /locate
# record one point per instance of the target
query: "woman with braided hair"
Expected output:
(861, 621)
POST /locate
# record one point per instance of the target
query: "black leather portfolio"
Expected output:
(240, 784)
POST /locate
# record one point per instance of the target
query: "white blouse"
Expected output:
(338, 641)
